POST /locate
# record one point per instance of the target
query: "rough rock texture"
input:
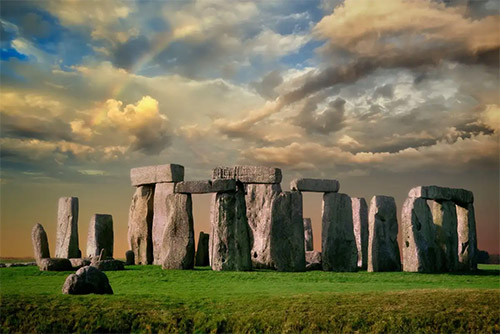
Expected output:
(206, 186)
(287, 232)
(315, 185)
(383, 248)
(100, 235)
(87, 280)
(55, 264)
(178, 237)
(248, 174)
(156, 174)
(313, 260)
(108, 264)
(444, 215)
(40, 243)
(459, 196)
(78, 263)
(162, 190)
(202, 253)
(67, 228)
(140, 223)
(420, 252)
(360, 223)
(467, 238)
(229, 247)
(129, 258)
(308, 235)
(259, 199)
(339, 251)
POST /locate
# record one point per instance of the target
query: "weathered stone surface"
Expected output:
(87, 280)
(55, 264)
(178, 237)
(420, 252)
(78, 263)
(156, 174)
(308, 235)
(459, 196)
(339, 251)
(67, 228)
(313, 260)
(360, 223)
(108, 264)
(229, 246)
(40, 243)
(129, 258)
(383, 248)
(259, 199)
(467, 238)
(315, 185)
(287, 232)
(162, 190)
(140, 223)
(100, 235)
(248, 174)
(444, 215)
(202, 253)
(205, 186)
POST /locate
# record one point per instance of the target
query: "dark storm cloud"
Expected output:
(324, 121)
(266, 86)
(34, 128)
(127, 54)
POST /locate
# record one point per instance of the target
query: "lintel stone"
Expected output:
(156, 174)
(249, 174)
(205, 186)
(459, 196)
(315, 185)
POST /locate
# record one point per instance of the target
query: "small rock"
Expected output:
(78, 263)
(313, 260)
(87, 280)
(129, 256)
(55, 264)
(108, 265)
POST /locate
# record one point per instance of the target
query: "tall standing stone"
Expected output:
(67, 228)
(339, 251)
(444, 215)
(40, 243)
(467, 239)
(202, 258)
(383, 248)
(308, 235)
(162, 190)
(360, 222)
(100, 235)
(178, 236)
(140, 224)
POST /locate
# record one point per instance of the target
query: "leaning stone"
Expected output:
(383, 248)
(87, 280)
(178, 237)
(67, 228)
(156, 174)
(444, 215)
(140, 223)
(308, 235)
(360, 223)
(100, 235)
(339, 251)
(467, 238)
(205, 187)
(315, 185)
(40, 243)
(248, 174)
(108, 265)
(202, 253)
(162, 190)
(78, 263)
(129, 258)
(313, 260)
(459, 196)
(55, 264)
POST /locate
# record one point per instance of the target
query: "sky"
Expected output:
(380, 95)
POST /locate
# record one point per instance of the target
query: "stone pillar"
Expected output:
(467, 239)
(339, 251)
(160, 218)
(308, 235)
(202, 258)
(360, 223)
(140, 224)
(444, 215)
(67, 228)
(383, 248)
(40, 243)
(100, 236)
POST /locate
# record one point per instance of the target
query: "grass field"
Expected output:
(148, 299)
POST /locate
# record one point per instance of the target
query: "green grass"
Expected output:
(148, 299)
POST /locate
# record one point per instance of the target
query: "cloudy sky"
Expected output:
(381, 95)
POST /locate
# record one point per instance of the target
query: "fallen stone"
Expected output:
(205, 187)
(140, 224)
(78, 263)
(3, 265)
(248, 174)
(313, 260)
(178, 237)
(55, 264)
(467, 238)
(108, 264)
(339, 251)
(459, 196)
(67, 228)
(156, 174)
(21, 264)
(40, 243)
(444, 216)
(383, 248)
(315, 185)
(100, 235)
(162, 190)
(129, 258)
(202, 253)
(87, 280)
(360, 223)
(308, 235)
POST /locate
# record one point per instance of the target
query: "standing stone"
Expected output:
(313, 260)
(100, 235)
(129, 258)
(308, 235)
(360, 222)
(383, 248)
(178, 236)
(339, 251)
(229, 237)
(259, 199)
(140, 223)
(202, 258)
(287, 232)
(420, 252)
(40, 243)
(467, 239)
(67, 228)
(444, 215)
(162, 190)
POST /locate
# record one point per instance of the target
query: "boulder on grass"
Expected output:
(87, 280)
(78, 263)
(108, 264)
(313, 260)
(55, 264)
